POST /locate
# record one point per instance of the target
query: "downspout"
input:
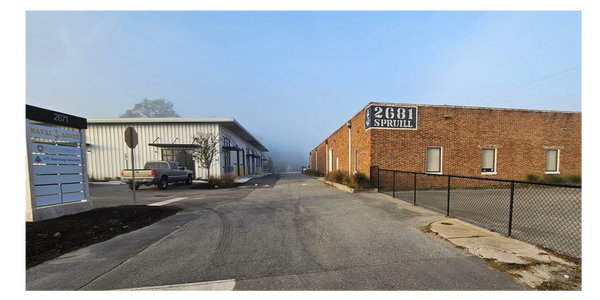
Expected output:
(349, 125)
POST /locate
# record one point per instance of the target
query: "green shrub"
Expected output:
(215, 181)
(532, 177)
(554, 178)
(574, 179)
(315, 173)
(336, 176)
(346, 180)
(358, 180)
(361, 180)
(227, 180)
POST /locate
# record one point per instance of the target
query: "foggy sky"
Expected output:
(293, 78)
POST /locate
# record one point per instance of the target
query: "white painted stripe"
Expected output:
(219, 285)
(167, 201)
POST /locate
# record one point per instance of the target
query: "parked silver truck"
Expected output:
(159, 173)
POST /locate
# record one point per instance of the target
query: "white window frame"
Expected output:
(494, 170)
(557, 161)
(440, 160)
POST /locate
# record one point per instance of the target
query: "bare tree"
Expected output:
(158, 108)
(207, 149)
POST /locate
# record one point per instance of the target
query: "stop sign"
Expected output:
(131, 137)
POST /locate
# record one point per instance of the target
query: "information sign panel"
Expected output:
(391, 117)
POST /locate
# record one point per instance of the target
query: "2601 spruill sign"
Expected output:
(391, 117)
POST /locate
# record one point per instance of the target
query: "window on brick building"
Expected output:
(434, 160)
(552, 161)
(355, 160)
(330, 160)
(488, 161)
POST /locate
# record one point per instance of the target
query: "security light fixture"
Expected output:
(349, 124)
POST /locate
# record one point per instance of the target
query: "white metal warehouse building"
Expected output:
(170, 139)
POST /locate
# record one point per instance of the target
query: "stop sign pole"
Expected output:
(131, 139)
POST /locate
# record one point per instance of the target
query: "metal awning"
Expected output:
(229, 143)
(174, 145)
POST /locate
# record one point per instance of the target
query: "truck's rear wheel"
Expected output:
(163, 183)
(137, 186)
(188, 181)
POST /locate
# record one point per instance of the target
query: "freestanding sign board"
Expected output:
(57, 182)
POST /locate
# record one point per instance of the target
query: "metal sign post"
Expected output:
(131, 139)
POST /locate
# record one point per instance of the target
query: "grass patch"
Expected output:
(573, 179)
(505, 267)
(314, 173)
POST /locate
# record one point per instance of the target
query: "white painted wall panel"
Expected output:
(107, 145)
(242, 144)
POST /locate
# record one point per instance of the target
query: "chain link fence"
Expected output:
(543, 214)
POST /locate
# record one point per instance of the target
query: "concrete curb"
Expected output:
(344, 187)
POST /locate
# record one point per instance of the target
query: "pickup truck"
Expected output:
(159, 173)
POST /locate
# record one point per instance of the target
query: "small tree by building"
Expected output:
(207, 149)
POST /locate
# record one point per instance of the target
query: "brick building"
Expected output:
(457, 140)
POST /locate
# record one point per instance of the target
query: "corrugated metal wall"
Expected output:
(244, 145)
(107, 148)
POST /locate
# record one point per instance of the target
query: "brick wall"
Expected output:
(520, 137)
(338, 141)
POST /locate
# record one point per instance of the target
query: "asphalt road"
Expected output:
(299, 234)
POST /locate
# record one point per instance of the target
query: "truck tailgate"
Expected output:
(139, 174)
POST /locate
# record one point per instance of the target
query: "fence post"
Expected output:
(372, 176)
(510, 211)
(448, 204)
(394, 185)
(415, 191)
(378, 183)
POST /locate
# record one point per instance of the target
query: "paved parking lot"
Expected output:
(300, 234)
(110, 194)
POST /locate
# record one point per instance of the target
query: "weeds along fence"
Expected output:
(543, 214)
